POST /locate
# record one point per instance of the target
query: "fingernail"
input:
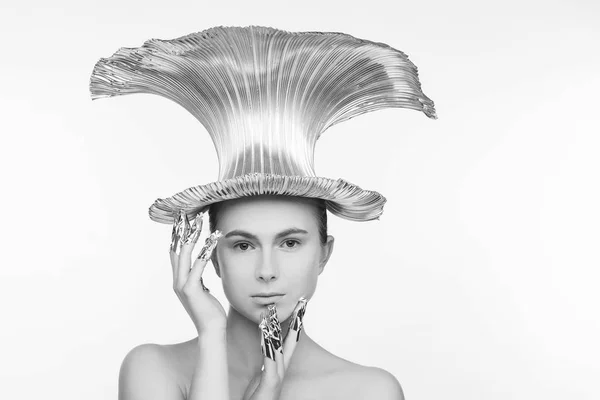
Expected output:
(175, 234)
(266, 345)
(297, 318)
(195, 229)
(209, 245)
(184, 228)
(275, 327)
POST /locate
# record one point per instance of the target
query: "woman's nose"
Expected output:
(267, 269)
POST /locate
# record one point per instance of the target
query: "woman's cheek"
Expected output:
(306, 282)
(311, 287)
(235, 285)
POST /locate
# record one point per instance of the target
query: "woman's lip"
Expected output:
(267, 299)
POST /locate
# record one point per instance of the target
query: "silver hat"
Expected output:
(265, 96)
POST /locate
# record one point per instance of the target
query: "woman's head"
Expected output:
(270, 244)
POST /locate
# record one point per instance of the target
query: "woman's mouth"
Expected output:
(267, 299)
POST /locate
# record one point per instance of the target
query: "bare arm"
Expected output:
(146, 373)
(210, 380)
(211, 377)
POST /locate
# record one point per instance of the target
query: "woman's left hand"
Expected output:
(267, 384)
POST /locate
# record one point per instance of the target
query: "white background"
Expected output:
(479, 281)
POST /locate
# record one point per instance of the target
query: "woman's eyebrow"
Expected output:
(289, 231)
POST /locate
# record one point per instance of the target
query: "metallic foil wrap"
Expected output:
(265, 96)
(184, 228)
(195, 228)
(175, 235)
(274, 327)
(266, 342)
(297, 317)
(209, 245)
(179, 233)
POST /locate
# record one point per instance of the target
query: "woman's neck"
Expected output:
(244, 353)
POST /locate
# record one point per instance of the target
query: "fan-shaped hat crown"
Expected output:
(265, 96)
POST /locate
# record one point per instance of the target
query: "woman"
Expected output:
(265, 96)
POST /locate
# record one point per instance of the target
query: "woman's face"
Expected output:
(269, 244)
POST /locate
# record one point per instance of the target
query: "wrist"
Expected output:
(212, 334)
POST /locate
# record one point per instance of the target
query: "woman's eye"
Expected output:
(290, 244)
(242, 246)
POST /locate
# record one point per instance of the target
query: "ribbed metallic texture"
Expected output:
(265, 96)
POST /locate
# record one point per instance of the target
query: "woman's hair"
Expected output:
(320, 212)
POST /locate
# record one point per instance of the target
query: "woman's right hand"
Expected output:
(205, 310)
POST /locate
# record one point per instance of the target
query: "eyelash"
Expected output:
(285, 241)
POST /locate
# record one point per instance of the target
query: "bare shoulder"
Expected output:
(377, 383)
(369, 382)
(147, 372)
(338, 378)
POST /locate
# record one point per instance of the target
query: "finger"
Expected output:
(280, 364)
(197, 271)
(294, 331)
(205, 253)
(189, 236)
(270, 378)
(210, 245)
(275, 336)
(266, 344)
(174, 248)
(174, 263)
(253, 385)
(184, 261)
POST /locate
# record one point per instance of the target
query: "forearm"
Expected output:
(211, 376)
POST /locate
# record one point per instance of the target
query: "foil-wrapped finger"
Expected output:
(209, 245)
(274, 327)
(266, 342)
(195, 228)
(175, 233)
(297, 318)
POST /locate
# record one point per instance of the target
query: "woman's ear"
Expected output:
(326, 250)
(215, 263)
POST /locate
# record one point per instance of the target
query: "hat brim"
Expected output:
(342, 198)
